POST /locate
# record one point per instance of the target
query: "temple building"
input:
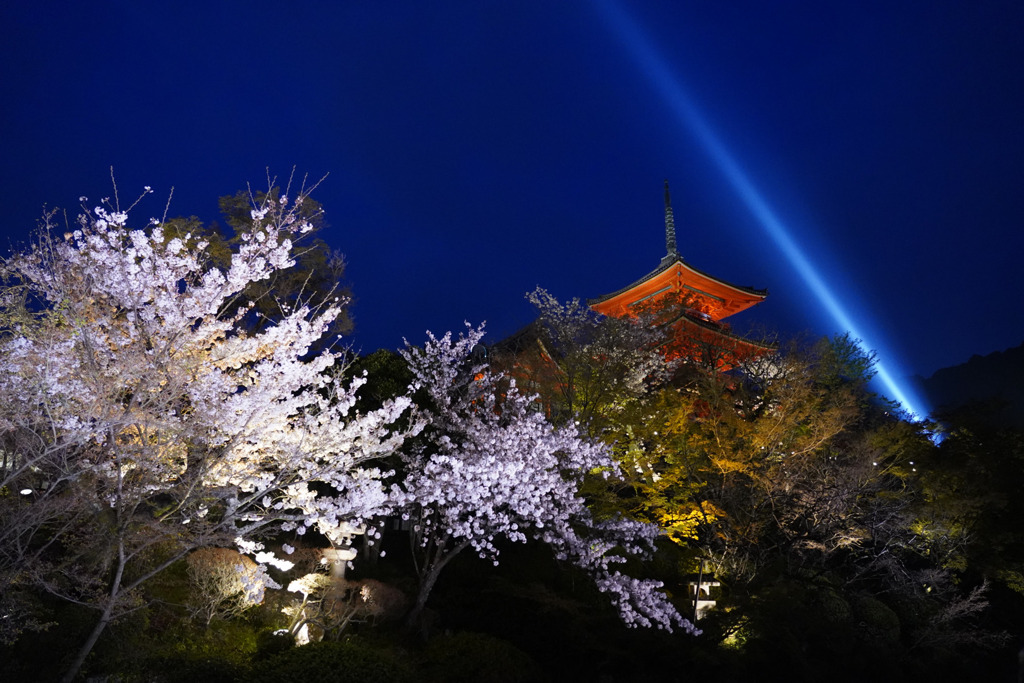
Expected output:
(692, 302)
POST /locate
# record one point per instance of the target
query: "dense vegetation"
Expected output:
(195, 486)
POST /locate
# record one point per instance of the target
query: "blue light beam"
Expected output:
(669, 88)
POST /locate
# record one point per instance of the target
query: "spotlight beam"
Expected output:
(671, 91)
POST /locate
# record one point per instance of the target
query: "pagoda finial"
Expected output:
(670, 226)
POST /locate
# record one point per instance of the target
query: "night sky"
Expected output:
(479, 149)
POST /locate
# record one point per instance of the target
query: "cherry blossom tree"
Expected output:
(587, 367)
(142, 418)
(490, 466)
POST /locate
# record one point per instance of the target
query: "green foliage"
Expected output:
(43, 655)
(352, 661)
(584, 366)
(970, 507)
(217, 577)
(187, 652)
(843, 360)
(387, 376)
(665, 468)
(191, 231)
(877, 620)
(478, 658)
(787, 469)
(810, 631)
(317, 272)
(834, 607)
(849, 546)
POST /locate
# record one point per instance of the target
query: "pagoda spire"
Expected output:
(670, 228)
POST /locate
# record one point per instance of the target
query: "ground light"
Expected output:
(656, 70)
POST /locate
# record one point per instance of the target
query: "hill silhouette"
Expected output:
(992, 385)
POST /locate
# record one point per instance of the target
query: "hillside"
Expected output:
(993, 383)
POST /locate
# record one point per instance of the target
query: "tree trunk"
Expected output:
(432, 570)
(104, 620)
(426, 585)
(87, 646)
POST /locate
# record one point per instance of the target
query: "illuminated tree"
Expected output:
(143, 418)
(218, 578)
(775, 467)
(330, 603)
(663, 469)
(489, 466)
(587, 367)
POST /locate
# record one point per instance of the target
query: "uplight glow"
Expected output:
(656, 70)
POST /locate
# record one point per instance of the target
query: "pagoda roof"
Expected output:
(718, 330)
(699, 276)
(721, 298)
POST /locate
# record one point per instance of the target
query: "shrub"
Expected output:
(219, 579)
(479, 658)
(352, 661)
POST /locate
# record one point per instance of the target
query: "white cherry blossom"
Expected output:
(491, 466)
(132, 383)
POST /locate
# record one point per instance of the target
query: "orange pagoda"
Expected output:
(692, 302)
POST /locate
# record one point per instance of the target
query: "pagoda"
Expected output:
(692, 302)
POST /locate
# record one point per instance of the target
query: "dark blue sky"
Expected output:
(478, 149)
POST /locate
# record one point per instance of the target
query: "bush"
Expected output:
(478, 658)
(352, 661)
(878, 623)
(189, 654)
(220, 578)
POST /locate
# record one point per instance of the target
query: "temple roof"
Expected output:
(666, 265)
(718, 330)
(721, 298)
